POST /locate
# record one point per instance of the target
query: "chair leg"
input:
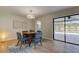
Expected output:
(17, 43)
(40, 42)
(34, 45)
(21, 44)
(29, 44)
(30, 41)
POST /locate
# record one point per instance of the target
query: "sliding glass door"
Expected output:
(59, 29)
(67, 29)
(72, 29)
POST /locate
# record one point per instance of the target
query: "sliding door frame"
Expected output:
(64, 29)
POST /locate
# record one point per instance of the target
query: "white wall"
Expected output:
(46, 26)
(7, 22)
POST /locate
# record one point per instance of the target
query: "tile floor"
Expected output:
(49, 46)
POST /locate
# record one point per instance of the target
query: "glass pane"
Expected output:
(38, 25)
(59, 29)
(72, 29)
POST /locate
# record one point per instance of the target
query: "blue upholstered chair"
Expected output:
(21, 39)
(38, 38)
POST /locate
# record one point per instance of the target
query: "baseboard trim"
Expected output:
(47, 38)
(7, 40)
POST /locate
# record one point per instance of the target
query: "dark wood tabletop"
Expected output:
(30, 36)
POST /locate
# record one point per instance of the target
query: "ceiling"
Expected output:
(36, 10)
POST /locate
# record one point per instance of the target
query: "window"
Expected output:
(38, 25)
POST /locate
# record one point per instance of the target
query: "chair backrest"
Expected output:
(19, 36)
(38, 35)
(32, 31)
(24, 31)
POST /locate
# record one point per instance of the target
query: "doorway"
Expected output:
(66, 29)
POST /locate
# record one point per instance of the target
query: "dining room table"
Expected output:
(30, 36)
